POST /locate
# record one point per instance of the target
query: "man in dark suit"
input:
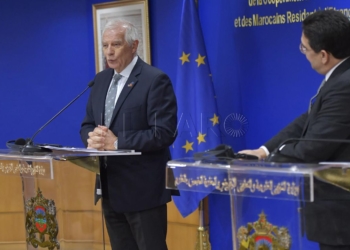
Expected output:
(325, 41)
(142, 116)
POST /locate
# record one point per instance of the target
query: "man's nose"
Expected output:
(110, 50)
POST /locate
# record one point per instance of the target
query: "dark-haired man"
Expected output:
(325, 41)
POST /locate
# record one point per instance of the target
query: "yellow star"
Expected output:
(184, 58)
(188, 146)
(200, 138)
(200, 60)
(215, 120)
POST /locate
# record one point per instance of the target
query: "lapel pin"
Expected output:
(131, 84)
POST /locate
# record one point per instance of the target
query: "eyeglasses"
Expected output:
(302, 48)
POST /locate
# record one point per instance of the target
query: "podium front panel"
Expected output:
(243, 178)
(253, 186)
(48, 204)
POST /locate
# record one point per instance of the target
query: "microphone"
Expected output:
(276, 155)
(226, 151)
(28, 146)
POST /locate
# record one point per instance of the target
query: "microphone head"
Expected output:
(16, 145)
(91, 83)
(221, 150)
(25, 146)
(20, 141)
(226, 151)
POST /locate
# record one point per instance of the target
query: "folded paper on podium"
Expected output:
(253, 183)
(47, 200)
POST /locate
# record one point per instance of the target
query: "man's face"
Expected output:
(314, 58)
(117, 51)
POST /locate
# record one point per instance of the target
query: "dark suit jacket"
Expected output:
(328, 218)
(144, 119)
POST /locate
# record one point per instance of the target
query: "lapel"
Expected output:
(128, 87)
(338, 71)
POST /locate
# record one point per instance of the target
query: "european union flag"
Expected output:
(198, 127)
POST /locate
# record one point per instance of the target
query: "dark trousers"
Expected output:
(329, 247)
(143, 230)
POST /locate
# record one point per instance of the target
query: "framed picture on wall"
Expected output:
(134, 11)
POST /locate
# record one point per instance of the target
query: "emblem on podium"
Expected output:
(41, 222)
(262, 235)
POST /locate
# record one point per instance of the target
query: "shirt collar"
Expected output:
(127, 71)
(332, 69)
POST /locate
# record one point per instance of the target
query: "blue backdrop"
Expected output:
(261, 80)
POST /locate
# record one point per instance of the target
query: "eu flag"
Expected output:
(198, 119)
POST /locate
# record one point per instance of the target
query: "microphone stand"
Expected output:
(29, 147)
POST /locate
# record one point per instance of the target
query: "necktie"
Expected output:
(110, 99)
(313, 99)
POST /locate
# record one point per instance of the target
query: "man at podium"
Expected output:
(325, 42)
(131, 106)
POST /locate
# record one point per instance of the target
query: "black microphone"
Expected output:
(27, 146)
(276, 155)
(226, 151)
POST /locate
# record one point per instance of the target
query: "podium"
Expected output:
(287, 186)
(47, 200)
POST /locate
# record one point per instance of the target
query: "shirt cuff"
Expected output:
(266, 150)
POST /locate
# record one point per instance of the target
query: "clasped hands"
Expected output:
(101, 138)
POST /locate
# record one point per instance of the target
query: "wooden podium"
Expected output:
(47, 201)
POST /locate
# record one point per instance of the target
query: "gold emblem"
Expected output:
(41, 221)
(262, 235)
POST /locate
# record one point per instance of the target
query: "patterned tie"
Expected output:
(110, 99)
(313, 99)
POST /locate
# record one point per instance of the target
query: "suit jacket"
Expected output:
(144, 119)
(328, 218)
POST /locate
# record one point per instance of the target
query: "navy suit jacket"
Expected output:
(144, 119)
(328, 218)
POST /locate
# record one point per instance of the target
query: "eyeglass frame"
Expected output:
(303, 49)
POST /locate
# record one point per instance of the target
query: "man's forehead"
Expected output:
(115, 30)
(113, 35)
(304, 39)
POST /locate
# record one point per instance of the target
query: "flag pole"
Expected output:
(203, 242)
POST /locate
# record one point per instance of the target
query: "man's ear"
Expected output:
(134, 46)
(325, 56)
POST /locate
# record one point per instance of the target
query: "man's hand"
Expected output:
(257, 152)
(101, 138)
(110, 138)
(97, 138)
